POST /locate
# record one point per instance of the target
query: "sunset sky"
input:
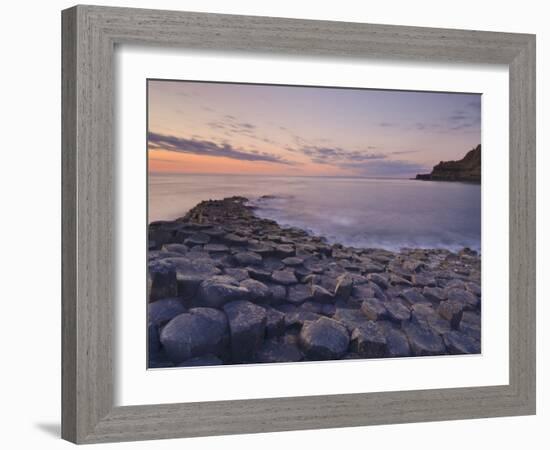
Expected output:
(198, 127)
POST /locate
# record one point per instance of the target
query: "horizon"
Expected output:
(208, 128)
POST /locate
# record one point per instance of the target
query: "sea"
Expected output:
(358, 212)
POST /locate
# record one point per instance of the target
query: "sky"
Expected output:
(203, 127)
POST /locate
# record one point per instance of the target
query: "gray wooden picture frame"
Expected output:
(90, 34)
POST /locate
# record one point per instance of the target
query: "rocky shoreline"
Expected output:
(227, 287)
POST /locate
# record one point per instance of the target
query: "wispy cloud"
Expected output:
(158, 141)
(336, 155)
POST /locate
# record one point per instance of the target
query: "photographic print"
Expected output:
(304, 223)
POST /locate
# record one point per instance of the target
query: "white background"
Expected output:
(135, 386)
(30, 186)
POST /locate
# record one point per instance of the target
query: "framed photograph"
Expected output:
(267, 222)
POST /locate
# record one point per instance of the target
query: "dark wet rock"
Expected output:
(219, 290)
(454, 283)
(324, 339)
(427, 317)
(312, 306)
(458, 343)
(161, 280)
(469, 300)
(378, 292)
(299, 293)
(198, 361)
(161, 254)
(197, 239)
(320, 294)
(248, 259)
(284, 250)
(164, 310)
(298, 318)
(368, 340)
(285, 277)
(198, 332)
(293, 261)
(278, 293)
(191, 272)
(397, 344)
(159, 360)
(451, 310)
(474, 288)
(273, 264)
(216, 248)
(259, 274)
(372, 267)
(421, 280)
(235, 240)
(258, 291)
(247, 323)
(153, 337)
(350, 318)
(397, 311)
(344, 287)
(434, 294)
(275, 323)
(237, 274)
(412, 265)
(261, 248)
(398, 280)
(180, 249)
(470, 324)
(328, 309)
(373, 309)
(363, 291)
(380, 280)
(423, 342)
(278, 352)
(413, 297)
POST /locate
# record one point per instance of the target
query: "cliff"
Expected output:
(467, 169)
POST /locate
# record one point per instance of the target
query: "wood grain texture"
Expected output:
(89, 37)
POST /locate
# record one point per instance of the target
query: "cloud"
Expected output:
(386, 124)
(336, 155)
(209, 148)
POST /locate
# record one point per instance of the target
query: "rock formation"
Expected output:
(467, 169)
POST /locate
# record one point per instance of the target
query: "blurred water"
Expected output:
(359, 212)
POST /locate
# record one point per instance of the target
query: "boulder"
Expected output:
(427, 317)
(458, 343)
(197, 239)
(421, 280)
(423, 341)
(161, 280)
(247, 323)
(248, 259)
(344, 287)
(216, 248)
(258, 292)
(200, 331)
(180, 249)
(470, 324)
(285, 277)
(259, 274)
(164, 310)
(373, 309)
(298, 293)
(324, 339)
(380, 280)
(278, 293)
(397, 344)
(275, 323)
(320, 294)
(350, 318)
(368, 341)
(293, 261)
(218, 290)
(434, 294)
(278, 352)
(469, 300)
(237, 274)
(451, 310)
(297, 319)
(413, 296)
(397, 311)
(191, 272)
